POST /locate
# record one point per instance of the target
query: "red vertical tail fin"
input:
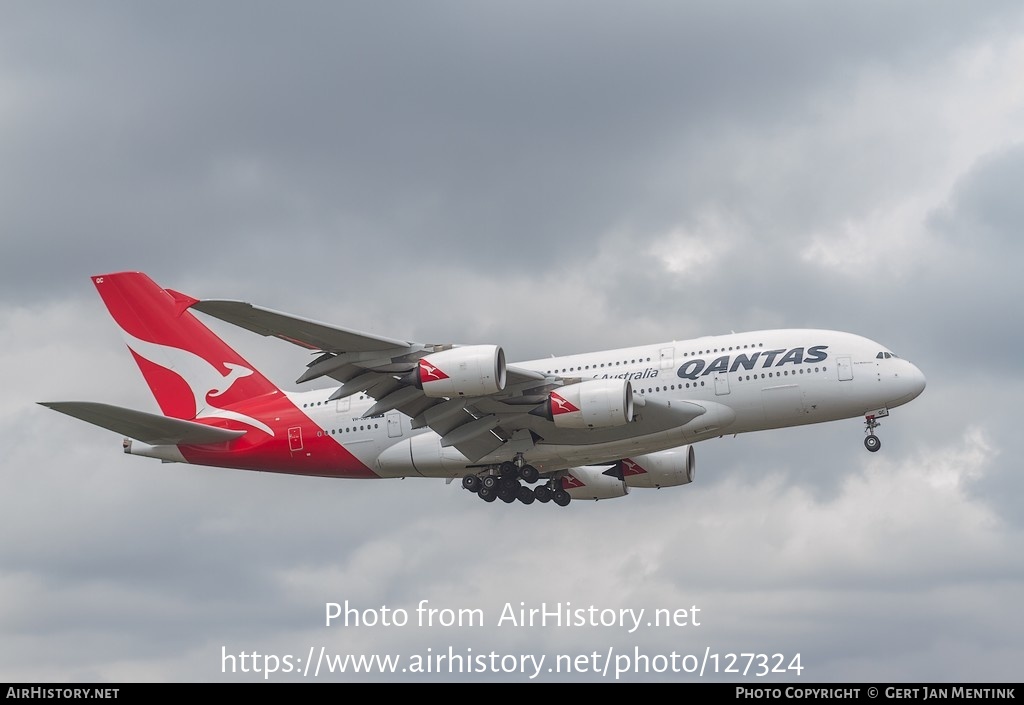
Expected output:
(191, 372)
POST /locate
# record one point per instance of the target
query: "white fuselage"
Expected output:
(744, 382)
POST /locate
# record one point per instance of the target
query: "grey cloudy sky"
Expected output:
(552, 177)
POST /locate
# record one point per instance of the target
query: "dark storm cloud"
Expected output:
(986, 210)
(364, 133)
(977, 253)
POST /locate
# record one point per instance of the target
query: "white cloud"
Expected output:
(696, 250)
(906, 139)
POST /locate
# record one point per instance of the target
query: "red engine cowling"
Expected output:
(597, 403)
(470, 371)
(593, 482)
(666, 468)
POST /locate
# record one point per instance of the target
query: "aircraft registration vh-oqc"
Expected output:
(588, 426)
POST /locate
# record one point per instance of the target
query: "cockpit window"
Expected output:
(885, 355)
(880, 356)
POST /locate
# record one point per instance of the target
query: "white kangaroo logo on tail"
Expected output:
(201, 377)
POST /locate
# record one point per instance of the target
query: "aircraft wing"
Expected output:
(374, 365)
(361, 350)
(149, 428)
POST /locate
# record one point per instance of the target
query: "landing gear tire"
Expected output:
(487, 494)
(529, 474)
(526, 495)
(507, 495)
(471, 483)
(508, 468)
(510, 482)
(542, 494)
(872, 443)
(490, 482)
(561, 498)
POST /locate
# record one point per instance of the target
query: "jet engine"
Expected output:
(470, 371)
(666, 468)
(597, 403)
(592, 482)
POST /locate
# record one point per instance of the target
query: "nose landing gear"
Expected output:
(871, 441)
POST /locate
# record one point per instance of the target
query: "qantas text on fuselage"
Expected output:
(756, 360)
(589, 426)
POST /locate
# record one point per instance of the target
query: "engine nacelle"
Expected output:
(596, 403)
(593, 482)
(666, 468)
(470, 371)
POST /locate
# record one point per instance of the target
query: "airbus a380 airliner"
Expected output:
(588, 426)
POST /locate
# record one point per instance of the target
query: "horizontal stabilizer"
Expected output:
(149, 428)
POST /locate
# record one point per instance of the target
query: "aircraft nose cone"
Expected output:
(911, 383)
(917, 381)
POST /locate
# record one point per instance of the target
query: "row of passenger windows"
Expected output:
(667, 387)
(742, 378)
(723, 349)
(640, 360)
(350, 429)
(739, 378)
(324, 403)
(347, 429)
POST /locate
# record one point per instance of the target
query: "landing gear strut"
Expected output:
(871, 441)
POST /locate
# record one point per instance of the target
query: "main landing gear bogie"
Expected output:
(503, 482)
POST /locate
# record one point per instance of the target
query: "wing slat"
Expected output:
(296, 329)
